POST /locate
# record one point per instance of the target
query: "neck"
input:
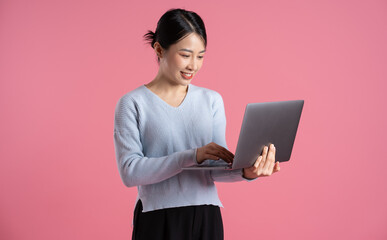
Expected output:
(164, 86)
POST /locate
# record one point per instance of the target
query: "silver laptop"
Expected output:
(263, 123)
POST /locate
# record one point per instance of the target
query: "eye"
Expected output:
(200, 57)
(184, 55)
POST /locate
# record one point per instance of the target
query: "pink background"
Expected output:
(64, 65)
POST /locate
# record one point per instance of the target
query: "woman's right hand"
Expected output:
(215, 152)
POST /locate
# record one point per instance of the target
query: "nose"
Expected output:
(193, 65)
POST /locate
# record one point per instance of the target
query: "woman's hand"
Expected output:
(264, 166)
(215, 152)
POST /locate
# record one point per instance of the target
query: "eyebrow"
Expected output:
(187, 50)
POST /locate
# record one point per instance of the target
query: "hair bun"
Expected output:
(150, 37)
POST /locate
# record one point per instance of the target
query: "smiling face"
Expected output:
(185, 56)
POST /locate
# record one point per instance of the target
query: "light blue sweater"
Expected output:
(154, 140)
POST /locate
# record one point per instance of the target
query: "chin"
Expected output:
(184, 82)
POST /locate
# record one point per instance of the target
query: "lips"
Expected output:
(186, 75)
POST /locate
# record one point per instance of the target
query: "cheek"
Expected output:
(178, 62)
(179, 66)
(172, 65)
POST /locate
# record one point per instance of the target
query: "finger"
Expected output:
(271, 167)
(227, 155)
(256, 164)
(221, 154)
(264, 155)
(211, 156)
(226, 152)
(271, 153)
(270, 159)
(261, 163)
(276, 167)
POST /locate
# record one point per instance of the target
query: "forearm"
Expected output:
(136, 170)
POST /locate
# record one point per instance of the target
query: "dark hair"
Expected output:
(174, 25)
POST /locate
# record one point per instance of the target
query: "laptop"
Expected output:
(263, 123)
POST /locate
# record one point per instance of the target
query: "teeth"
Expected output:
(187, 74)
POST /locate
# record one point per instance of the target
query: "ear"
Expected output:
(158, 49)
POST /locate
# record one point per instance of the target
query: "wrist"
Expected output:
(196, 156)
(246, 176)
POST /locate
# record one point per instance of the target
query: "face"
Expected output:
(185, 56)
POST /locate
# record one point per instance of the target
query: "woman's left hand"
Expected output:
(265, 165)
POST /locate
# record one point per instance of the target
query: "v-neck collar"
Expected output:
(164, 102)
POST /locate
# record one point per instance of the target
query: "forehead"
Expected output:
(191, 42)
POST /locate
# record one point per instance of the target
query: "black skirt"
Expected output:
(202, 222)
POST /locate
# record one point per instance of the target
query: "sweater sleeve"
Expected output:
(219, 137)
(135, 168)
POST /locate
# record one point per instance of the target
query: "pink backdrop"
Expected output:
(64, 65)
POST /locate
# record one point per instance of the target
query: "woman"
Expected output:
(170, 123)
